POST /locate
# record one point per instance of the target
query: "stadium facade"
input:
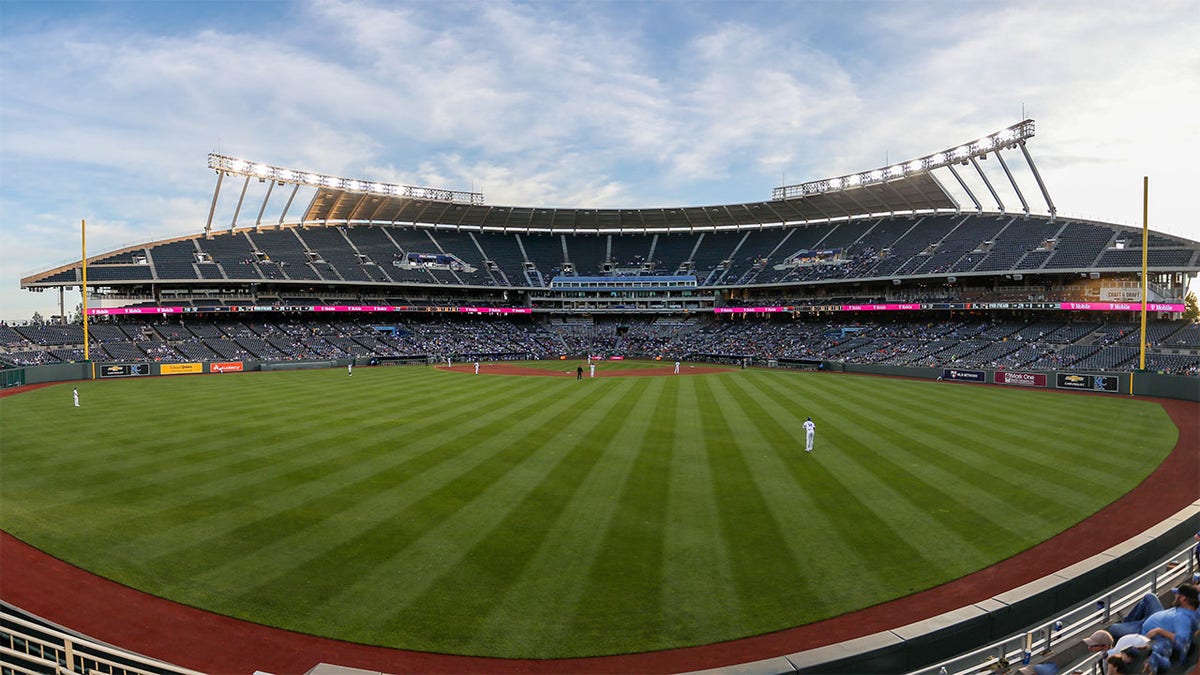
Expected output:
(894, 242)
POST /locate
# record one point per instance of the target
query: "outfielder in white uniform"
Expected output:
(676, 367)
(75, 396)
(809, 430)
(476, 367)
(592, 367)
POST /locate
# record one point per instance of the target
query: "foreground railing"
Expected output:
(32, 648)
(1061, 637)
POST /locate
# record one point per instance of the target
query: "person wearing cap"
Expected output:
(809, 430)
(1169, 630)
(1129, 656)
(1099, 642)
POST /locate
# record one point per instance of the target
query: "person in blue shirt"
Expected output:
(1170, 630)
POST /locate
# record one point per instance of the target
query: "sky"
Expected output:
(108, 110)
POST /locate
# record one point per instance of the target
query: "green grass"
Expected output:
(544, 517)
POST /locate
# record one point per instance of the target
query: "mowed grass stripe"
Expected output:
(863, 506)
(630, 552)
(818, 538)
(865, 451)
(240, 416)
(254, 519)
(445, 580)
(1030, 465)
(699, 596)
(752, 537)
(389, 519)
(306, 472)
(768, 450)
(601, 453)
(247, 488)
(950, 512)
(410, 482)
(539, 609)
(380, 507)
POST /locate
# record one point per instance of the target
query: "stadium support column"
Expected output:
(963, 184)
(1012, 181)
(988, 183)
(1038, 177)
(213, 207)
(241, 198)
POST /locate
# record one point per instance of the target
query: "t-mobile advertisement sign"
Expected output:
(1019, 379)
(963, 375)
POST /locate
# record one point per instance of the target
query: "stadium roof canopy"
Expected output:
(909, 187)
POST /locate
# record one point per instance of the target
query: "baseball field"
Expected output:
(542, 517)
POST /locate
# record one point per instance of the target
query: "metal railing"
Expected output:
(32, 648)
(1055, 636)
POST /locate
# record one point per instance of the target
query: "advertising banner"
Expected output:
(963, 375)
(1087, 382)
(180, 368)
(1019, 379)
(125, 370)
(225, 367)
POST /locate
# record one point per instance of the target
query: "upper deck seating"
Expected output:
(285, 250)
(175, 260)
(234, 253)
(1078, 246)
(1018, 239)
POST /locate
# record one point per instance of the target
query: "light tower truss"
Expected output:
(907, 188)
(966, 154)
(276, 175)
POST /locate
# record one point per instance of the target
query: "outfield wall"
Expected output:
(1144, 384)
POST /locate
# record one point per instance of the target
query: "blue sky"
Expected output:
(108, 110)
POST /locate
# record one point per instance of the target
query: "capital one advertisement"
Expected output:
(1020, 379)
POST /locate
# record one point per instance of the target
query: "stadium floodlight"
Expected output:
(978, 148)
(233, 165)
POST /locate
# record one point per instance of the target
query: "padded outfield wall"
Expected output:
(1154, 385)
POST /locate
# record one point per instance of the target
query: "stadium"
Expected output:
(385, 460)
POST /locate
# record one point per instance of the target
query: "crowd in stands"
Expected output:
(1152, 638)
(1056, 344)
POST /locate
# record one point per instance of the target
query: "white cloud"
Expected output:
(600, 105)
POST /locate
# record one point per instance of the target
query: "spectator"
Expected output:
(1170, 630)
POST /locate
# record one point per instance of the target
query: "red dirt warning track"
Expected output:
(110, 612)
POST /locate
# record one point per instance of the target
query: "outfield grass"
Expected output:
(545, 517)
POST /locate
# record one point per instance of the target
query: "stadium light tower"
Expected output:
(232, 166)
(1009, 138)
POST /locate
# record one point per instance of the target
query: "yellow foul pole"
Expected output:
(87, 357)
(1145, 276)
